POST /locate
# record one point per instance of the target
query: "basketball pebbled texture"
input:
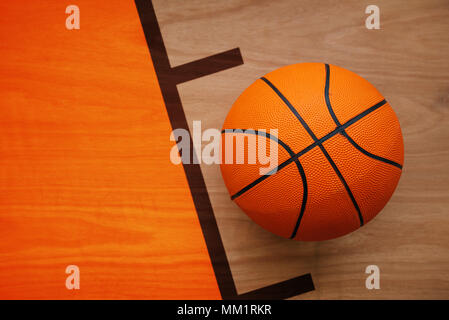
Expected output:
(340, 152)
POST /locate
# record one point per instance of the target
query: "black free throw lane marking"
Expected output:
(298, 165)
(167, 81)
(328, 157)
(310, 147)
(282, 290)
(344, 133)
(168, 78)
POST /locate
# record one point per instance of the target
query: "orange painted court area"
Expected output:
(84, 160)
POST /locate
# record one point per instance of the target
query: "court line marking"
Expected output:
(168, 79)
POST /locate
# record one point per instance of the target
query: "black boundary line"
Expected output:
(297, 162)
(310, 147)
(282, 290)
(168, 79)
(344, 133)
(320, 145)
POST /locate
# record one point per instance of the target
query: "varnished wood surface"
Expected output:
(406, 61)
(85, 174)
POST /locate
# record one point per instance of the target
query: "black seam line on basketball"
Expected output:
(344, 133)
(343, 181)
(326, 96)
(328, 157)
(261, 133)
(292, 109)
(297, 162)
(369, 154)
(310, 147)
(337, 171)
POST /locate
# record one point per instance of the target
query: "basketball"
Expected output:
(339, 157)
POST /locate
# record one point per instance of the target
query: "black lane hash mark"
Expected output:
(282, 290)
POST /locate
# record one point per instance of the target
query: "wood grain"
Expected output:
(86, 179)
(406, 61)
(85, 174)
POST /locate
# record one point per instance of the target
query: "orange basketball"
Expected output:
(340, 151)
